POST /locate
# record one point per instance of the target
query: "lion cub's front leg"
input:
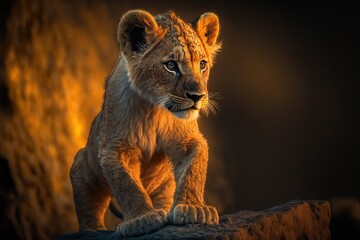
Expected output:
(190, 175)
(122, 173)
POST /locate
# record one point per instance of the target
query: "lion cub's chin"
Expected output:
(189, 114)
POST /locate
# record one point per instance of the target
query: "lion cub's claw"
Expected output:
(186, 213)
(144, 224)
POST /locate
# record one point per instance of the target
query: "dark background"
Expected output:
(288, 124)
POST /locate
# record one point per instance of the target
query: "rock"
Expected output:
(296, 219)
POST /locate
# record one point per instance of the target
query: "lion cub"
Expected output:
(144, 147)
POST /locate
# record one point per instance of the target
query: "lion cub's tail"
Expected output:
(115, 210)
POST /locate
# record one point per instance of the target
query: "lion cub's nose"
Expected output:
(194, 96)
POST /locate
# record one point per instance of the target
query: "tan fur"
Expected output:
(144, 147)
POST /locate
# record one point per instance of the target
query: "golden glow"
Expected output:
(54, 80)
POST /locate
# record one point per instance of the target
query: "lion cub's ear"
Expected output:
(207, 27)
(137, 28)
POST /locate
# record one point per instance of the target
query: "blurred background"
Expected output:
(287, 128)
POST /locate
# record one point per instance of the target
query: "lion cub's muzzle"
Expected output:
(192, 100)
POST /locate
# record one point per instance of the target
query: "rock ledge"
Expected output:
(295, 219)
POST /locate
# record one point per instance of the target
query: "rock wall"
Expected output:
(51, 87)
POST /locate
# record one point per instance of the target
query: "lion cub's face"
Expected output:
(169, 60)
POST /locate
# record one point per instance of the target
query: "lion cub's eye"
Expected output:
(203, 65)
(171, 66)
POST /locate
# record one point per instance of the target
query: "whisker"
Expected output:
(215, 96)
(211, 106)
(162, 101)
(176, 96)
(177, 99)
(168, 105)
(186, 104)
(174, 108)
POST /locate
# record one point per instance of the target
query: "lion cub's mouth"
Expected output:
(187, 109)
(174, 107)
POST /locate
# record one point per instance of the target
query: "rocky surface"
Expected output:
(296, 219)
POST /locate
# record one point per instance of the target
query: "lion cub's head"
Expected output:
(169, 60)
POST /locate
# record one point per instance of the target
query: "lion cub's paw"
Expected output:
(186, 213)
(144, 224)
